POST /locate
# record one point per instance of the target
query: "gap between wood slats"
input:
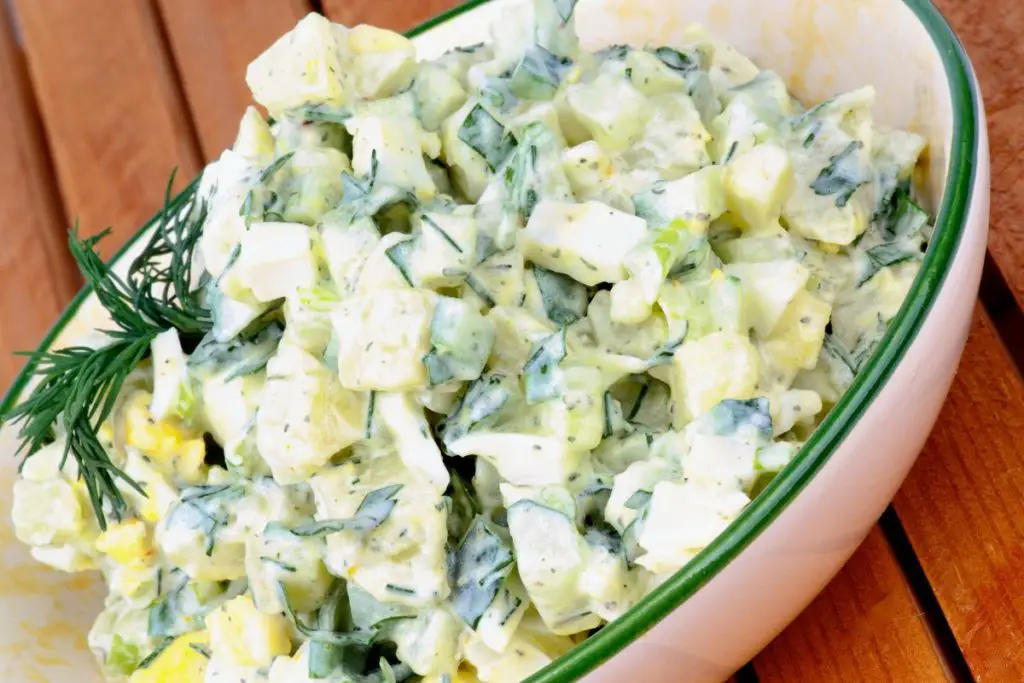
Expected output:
(747, 674)
(1001, 306)
(939, 628)
(212, 44)
(961, 509)
(174, 79)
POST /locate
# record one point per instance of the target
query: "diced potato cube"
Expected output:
(838, 165)
(650, 75)
(682, 519)
(717, 366)
(409, 428)
(587, 242)
(587, 167)
(383, 62)
(255, 141)
(551, 557)
(757, 184)
(276, 259)
(610, 108)
(305, 415)
(397, 142)
(697, 198)
(522, 459)
(245, 635)
(430, 643)
(438, 95)
(386, 266)
(788, 408)
(796, 340)
(673, 140)
(446, 249)
(403, 559)
(346, 250)
(515, 333)
(382, 338)
(172, 390)
(304, 66)
(278, 558)
(768, 288)
(179, 662)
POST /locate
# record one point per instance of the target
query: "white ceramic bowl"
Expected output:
(718, 611)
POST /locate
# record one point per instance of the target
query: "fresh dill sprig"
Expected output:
(78, 386)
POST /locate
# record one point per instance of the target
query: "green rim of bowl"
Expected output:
(950, 224)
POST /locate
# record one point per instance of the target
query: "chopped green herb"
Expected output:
(482, 563)
(275, 166)
(484, 398)
(678, 61)
(478, 288)
(564, 299)
(638, 500)
(663, 356)
(615, 52)
(731, 416)
(541, 377)
(400, 255)
(284, 566)
(157, 651)
(538, 74)
(842, 177)
(807, 116)
(201, 649)
(487, 137)
(729, 154)
(374, 509)
(321, 113)
(444, 235)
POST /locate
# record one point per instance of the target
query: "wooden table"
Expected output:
(102, 98)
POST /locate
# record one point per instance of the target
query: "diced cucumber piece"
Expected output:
(461, 341)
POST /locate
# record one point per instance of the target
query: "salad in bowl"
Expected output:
(446, 364)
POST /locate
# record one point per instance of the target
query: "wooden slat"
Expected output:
(37, 276)
(397, 15)
(110, 104)
(213, 41)
(963, 509)
(991, 32)
(865, 626)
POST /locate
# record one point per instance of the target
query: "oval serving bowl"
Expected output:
(731, 600)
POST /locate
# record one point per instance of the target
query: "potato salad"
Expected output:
(497, 343)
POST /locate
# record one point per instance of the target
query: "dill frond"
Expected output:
(78, 386)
